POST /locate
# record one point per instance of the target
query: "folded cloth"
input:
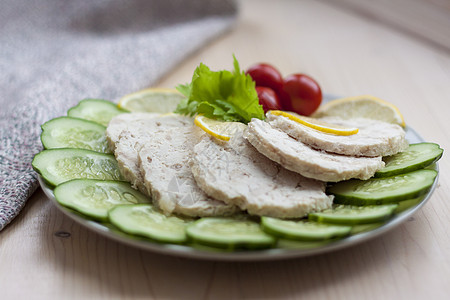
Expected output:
(54, 53)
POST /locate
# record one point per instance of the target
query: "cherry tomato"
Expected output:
(301, 94)
(268, 98)
(266, 75)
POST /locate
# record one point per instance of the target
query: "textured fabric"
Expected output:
(54, 53)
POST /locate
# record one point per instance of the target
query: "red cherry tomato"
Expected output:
(268, 98)
(300, 94)
(266, 75)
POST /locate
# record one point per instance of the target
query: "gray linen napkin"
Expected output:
(54, 53)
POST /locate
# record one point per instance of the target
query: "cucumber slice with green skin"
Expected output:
(304, 245)
(361, 228)
(96, 110)
(229, 233)
(304, 230)
(68, 132)
(376, 191)
(60, 165)
(94, 198)
(350, 215)
(417, 156)
(407, 204)
(145, 220)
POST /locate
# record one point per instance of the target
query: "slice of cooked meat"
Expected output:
(374, 138)
(126, 153)
(121, 122)
(164, 162)
(126, 133)
(300, 158)
(236, 173)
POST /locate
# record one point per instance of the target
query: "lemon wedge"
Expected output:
(362, 107)
(316, 124)
(219, 129)
(159, 100)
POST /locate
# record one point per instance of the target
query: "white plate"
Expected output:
(269, 254)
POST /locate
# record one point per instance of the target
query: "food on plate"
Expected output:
(164, 163)
(300, 94)
(94, 198)
(265, 75)
(236, 173)
(218, 129)
(152, 154)
(124, 122)
(68, 132)
(214, 182)
(366, 106)
(147, 221)
(312, 123)
(159, 100)
(384, 190)
(304, 230)
(350, 215)
(268, 98)
(297, 92)
(415, 157)
(361, 228)
(230, 233)
(300, 158)
(284, 243)
(127, 135)
(96, 110)
(374, 138)
(60, 165)
(221, 95)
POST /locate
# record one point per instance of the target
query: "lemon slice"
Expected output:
(159, 100)
(362, 107)
(316, 124)
(219, 129)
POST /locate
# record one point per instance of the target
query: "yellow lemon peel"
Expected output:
(219, 129)
(316, 124)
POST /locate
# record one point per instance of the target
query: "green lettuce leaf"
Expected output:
(221, 95)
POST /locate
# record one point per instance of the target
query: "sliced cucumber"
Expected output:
(145, 220)
(229, 233)
(376, 191)
(303, 229)
(407, 204)
(361, 228)
(94, 198)
(59, 165)
(68, 132)
(416, 157)
(304, 245)
(350, 215)
(202, 247)
(97, 110)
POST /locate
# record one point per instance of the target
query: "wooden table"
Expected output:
(349, 53)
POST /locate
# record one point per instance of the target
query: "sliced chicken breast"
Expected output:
(127, 134)
(121, 123)
(236, 173)
(164, 163)
(374, 138)
(300, 158)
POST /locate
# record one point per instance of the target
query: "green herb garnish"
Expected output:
(221, 95)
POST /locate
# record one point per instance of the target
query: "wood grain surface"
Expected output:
(45, 255)
(427, 21)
